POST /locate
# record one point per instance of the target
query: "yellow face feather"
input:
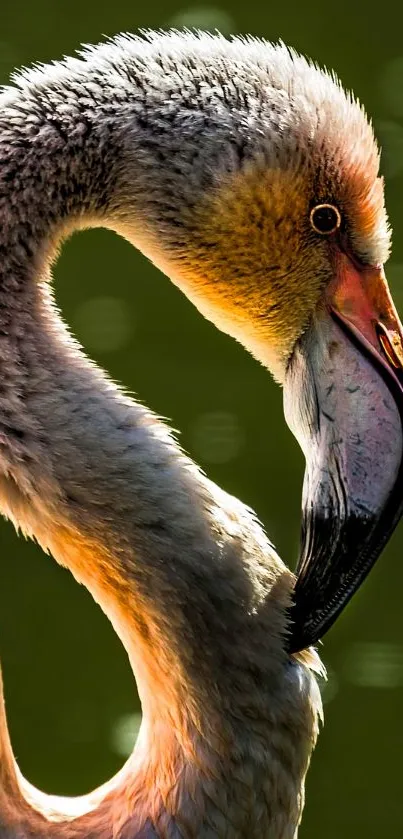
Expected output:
(252, 262)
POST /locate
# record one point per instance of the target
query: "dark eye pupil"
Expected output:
(325, 218)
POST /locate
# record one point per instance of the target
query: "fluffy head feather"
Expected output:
(241, 139)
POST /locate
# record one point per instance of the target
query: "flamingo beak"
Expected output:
(343, 400)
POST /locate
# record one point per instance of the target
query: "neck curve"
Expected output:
(100, 483)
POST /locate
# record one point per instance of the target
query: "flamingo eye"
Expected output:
(325, 219)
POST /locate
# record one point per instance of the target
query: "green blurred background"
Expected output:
(71, 700)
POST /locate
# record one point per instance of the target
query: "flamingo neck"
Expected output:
(183, 571)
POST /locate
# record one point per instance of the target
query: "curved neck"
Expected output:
(183, 571)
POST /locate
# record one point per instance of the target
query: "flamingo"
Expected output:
(250, 178)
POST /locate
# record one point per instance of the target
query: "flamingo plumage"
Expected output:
(251, 179)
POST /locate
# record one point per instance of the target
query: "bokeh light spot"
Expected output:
(208, 18)
(124, 733)
(217, 437)
(103, 323)
(329, 687)
(374, 665)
